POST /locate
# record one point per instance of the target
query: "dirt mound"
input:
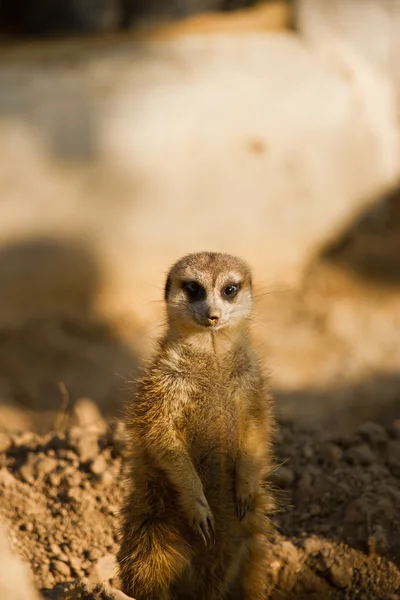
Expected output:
(338, 529)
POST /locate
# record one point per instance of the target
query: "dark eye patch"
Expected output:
(230, 291)
(194, 290)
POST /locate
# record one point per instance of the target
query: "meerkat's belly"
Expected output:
(212, 435)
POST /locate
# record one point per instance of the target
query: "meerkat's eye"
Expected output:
(194, 290)
(230, 290)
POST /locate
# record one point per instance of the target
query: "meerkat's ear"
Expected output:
(167, 288)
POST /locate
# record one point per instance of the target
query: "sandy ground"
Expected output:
(337, 527)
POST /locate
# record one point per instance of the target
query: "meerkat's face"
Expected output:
(208, 291)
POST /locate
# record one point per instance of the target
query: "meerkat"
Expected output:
(194, 520)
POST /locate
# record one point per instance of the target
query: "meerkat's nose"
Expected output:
(213, 318)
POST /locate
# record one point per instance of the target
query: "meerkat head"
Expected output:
(208, 291)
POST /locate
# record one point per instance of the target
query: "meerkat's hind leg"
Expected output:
(151, 558)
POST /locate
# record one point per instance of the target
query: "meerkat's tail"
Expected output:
(152, 556)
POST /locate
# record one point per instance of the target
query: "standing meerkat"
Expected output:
(194, 521)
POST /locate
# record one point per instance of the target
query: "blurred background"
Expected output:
(133, 132)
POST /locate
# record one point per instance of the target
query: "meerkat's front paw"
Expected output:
(201, 520)
(244, 498)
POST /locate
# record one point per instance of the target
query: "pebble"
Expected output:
(23, 439)
(373, 433)
(75, 564)
(107, 479)
(340, 574)
(55, 480)
(360, 455)
(5, 442)
(308, 452)
(55, 550)
(6, 478)
(26, 472)
(99, 465)
(332, 454)
(45, 465)
(87, 448)
(60, 567)
(89, 416)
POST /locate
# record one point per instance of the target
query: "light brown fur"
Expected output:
(194, 521)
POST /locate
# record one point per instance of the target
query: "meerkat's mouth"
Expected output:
(211, 326)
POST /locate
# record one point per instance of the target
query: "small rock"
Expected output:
(26, 472)
(60, 567)
(308, 452)
(373, 433)
(94, 554)
(360, 455)
(23, 439)
(107, 479)
(6, 479)
(89, 416)
(55, 480)
(104, 570)
(55, 550)
(86, 446)
(340, 574)
(332, 454)
(5, 442)
(99, 465)
(75, 564)
(312, 545)
(45, 465)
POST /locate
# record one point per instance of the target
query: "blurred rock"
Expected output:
(361, 455)
(15, 578)
(206, 130)
(373, 433)
(84, 443)
(5, 442)
(367, 29)
(340, 574)
(89, 416)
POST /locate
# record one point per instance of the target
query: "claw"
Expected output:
(204, 534)
(212, 529)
